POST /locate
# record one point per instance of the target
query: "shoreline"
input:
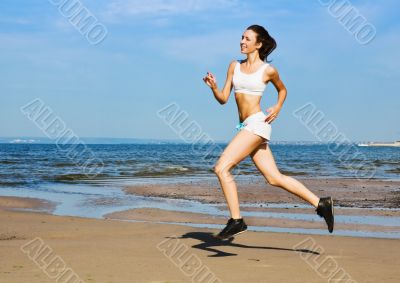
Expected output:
(362, 208)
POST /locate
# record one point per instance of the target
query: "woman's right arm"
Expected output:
(221, 96)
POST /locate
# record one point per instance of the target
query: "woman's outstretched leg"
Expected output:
(241, 146)
(265, 162)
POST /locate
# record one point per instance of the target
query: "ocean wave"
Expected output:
(13, 183)
(395, 170)
(165, 171)
(62, 165)
(385, 162)
(294, 173)
(72, 177)
(7, 162)
(360, 167)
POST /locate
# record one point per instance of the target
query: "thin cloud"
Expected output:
(15, 21)
(205, 49)
(162, 8)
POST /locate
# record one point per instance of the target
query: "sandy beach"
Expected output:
(123, 123)
(105, 250)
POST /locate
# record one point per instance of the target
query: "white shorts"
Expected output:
(256, 124)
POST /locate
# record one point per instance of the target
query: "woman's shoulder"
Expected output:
(270, 72)
(233, 64)
(235, 61)
(270, 69)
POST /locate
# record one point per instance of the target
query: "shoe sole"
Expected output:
(332, 211)
(231, 235)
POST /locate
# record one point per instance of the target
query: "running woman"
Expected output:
(249, 78)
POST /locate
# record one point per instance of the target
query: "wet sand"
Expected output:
(155, 215)
(119, 251)
(17, 203)
(360, 205)
(345, 192)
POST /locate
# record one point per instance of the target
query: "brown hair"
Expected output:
(268, 43)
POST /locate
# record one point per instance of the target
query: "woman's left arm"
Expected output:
(273, 76)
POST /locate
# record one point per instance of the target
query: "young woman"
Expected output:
(249, 78)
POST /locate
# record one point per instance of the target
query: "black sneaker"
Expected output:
(233, 227)
(325, 210)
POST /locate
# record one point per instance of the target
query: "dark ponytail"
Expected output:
(268, 43)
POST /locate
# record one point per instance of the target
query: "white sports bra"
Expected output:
(249, 83)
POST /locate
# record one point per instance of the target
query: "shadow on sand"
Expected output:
(209, 242)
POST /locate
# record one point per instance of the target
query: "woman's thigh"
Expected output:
(239, 147)
(265, 162)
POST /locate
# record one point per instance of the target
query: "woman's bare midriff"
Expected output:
(247, 105)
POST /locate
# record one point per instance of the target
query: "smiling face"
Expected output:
(249, 43)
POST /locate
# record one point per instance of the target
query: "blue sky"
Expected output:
(156, 53)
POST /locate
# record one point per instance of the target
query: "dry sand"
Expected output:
(119, 251)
